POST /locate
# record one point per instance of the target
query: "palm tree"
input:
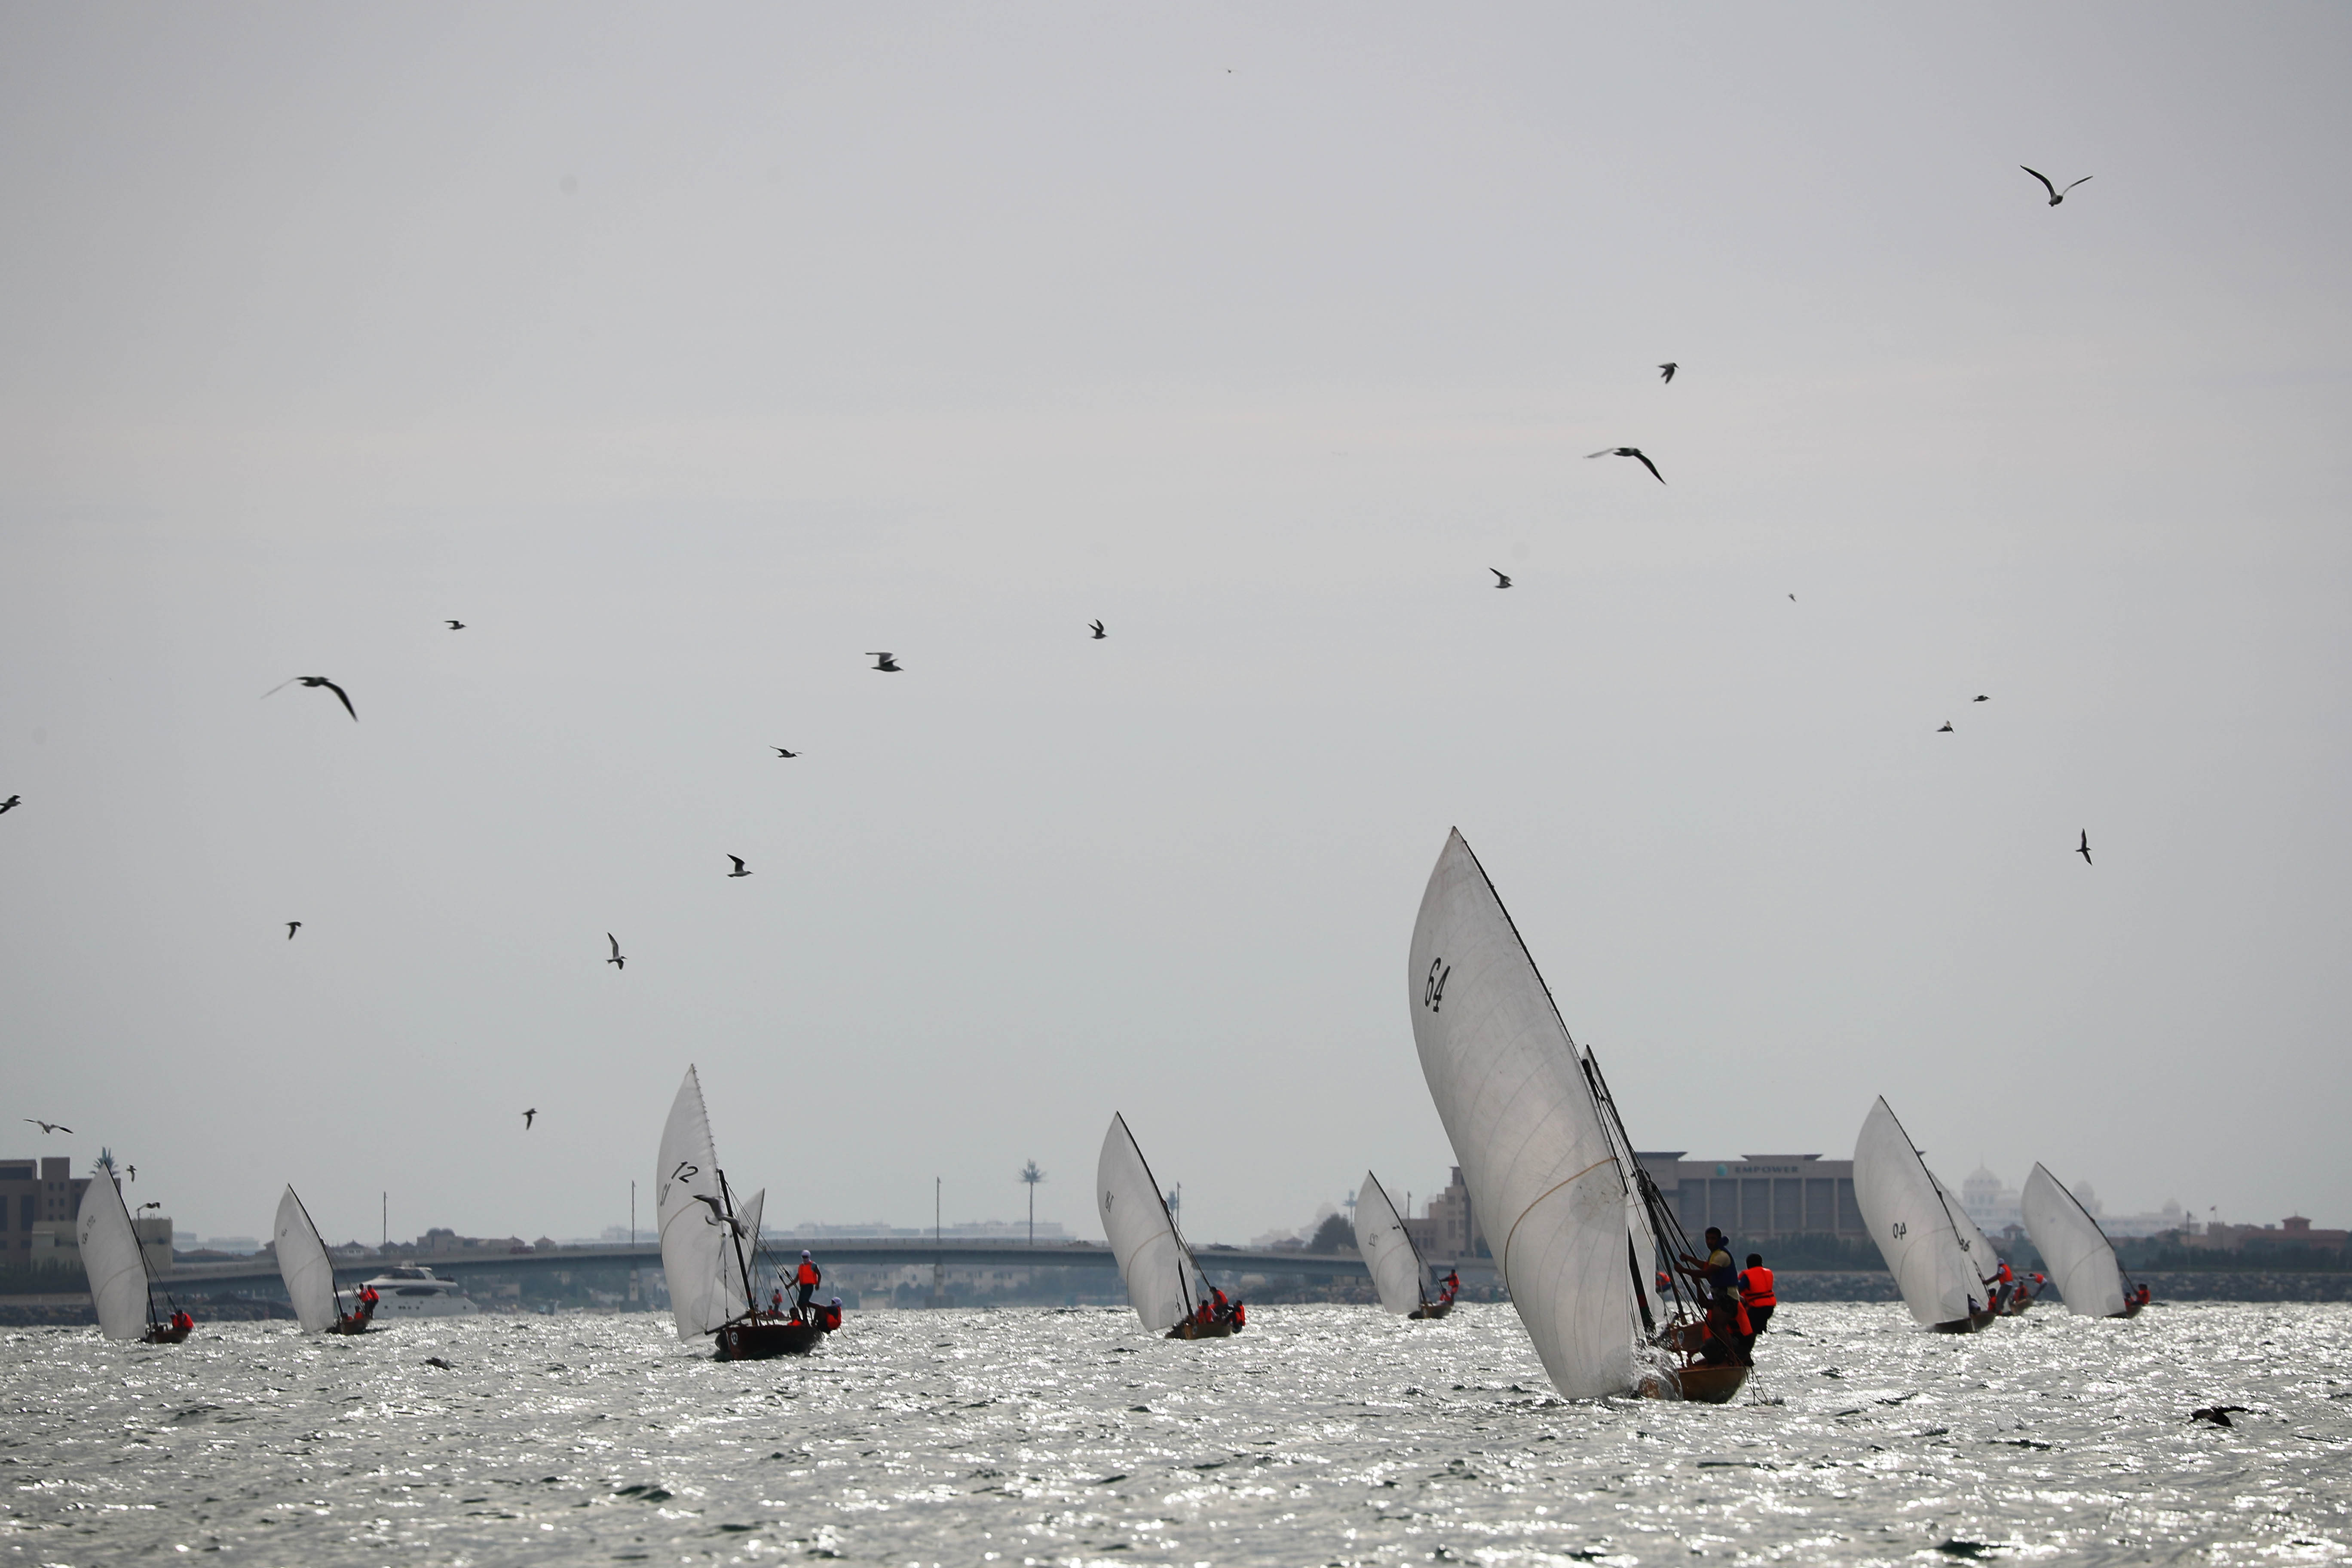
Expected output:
(1032, 1175)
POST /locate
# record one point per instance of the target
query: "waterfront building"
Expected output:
(1759, 1197)
(38, 1201)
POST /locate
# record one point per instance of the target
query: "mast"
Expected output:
(1664, 1222)
(735, 1238)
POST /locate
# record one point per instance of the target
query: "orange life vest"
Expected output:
(1756, 1287)
(1241, 1314)
(808, 1274)
(2005, 1277)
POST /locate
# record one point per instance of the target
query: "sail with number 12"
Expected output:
(709, 1243)
(1578, 1230)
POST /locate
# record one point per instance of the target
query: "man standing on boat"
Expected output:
(808, 1278)
(1756, 1292)
(1451, 1285)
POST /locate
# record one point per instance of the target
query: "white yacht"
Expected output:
(411, 1291)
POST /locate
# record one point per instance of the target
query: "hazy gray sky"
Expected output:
(684, 354)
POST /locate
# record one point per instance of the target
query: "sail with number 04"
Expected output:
(2081, 1259)
(1916, 1228)
(1576, 1228)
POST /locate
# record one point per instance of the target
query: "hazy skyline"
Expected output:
(687, 356)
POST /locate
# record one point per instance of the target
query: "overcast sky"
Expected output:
(686, 354)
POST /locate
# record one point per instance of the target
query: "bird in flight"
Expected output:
(2084, 851)
(132, 1172)
(1099, 633)
(2056, 195)
(527, 1116)
(781, 752)
(48, 1126)
(1630, 452)
(616, 961)
(11, 803)
(1501, 581)
(1982, 698)
(1793, 598)
(884, 662)
(291, 927)
(740, 870)
(317, 680)
(156, 1204)
(456, 626)
(1669, 367)
(717, 1214)
(1948, 729)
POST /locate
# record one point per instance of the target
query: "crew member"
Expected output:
(830, 1319)
(1756, 1292)
(1451, 1284)
(776, 1300)
(2143, 1296)
(809, 1277)
(2004, 1286)
(1241, 1314)
(1717, 1270)
(180, 1322)
(1218, 1309)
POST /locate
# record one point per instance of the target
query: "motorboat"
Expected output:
(412, 1291)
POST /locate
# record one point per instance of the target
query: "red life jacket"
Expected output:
(1756, 1287)
(808, 1274)
(1241, 1314)
(2005, 1277)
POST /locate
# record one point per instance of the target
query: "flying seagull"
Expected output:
(616, 961)
(2085, 850)
(884, 662)
(156, 1204)
(456, 626)
(2218, 1415)
(527, 1116)
(11, 803)
(1669, 367)
(2056, 195)
(1099, 633)
(1982, 698)
(740, 870)
(1793, 598)
(317, 680)
(48, 1126)
(291, 927)
(717, 1214)
(781, 752)
(1948, 729)
(1630, 452)
(132, 1172)
(1500, 580)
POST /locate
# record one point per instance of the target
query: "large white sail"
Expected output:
(1543, 1175)
(1907, 1218)
(698, 1254)
(2081, 1259)
(1163, 1283)
(1388, 1251)
(303, 1264)
(110, 1257)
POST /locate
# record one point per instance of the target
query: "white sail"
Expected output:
(698, 1254)
(1907, 1218)
(1163, 1283)
(1543, 1175)
(110, 1257)
(2081, 1259)
(303, 1264)
(1388, 1251)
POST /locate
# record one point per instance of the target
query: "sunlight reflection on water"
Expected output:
(1323, 1434)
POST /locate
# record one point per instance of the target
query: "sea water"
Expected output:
(1321, 1434)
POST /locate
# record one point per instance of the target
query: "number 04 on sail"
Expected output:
(1577, 1226)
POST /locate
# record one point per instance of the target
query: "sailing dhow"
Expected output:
(1935, 1261)
(116, 1266)
(707, 1245)
(1164, 1285)
(1398, 1272)
(1575, 1224)
(310, 1274)
(2081, 1259)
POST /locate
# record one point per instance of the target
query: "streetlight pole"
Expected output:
(939, 1260)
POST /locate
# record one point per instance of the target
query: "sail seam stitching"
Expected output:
(1539, 1198)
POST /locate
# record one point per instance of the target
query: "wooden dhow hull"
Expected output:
(1191, 1330)
(762, 1338)
(1431, 1310)
(1699, 1384)
(164, 1334)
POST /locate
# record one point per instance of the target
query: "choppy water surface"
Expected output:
(1323, 1434)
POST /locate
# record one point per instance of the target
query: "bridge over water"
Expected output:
(1224, 1263)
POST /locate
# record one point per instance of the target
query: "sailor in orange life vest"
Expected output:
(829, 1318)
(1451, 1285)
(2004, 1282)
(2142, 1296)
(808, 1278)
(1756, 1292)
(1219, 1307)
(181, 1320)
(1728, 1331)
